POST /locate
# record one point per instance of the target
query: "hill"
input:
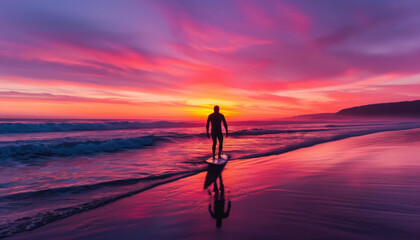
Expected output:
(394, 109)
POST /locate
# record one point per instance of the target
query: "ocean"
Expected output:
(52, 169)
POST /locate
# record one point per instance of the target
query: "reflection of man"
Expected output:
(219, 204)
(216, 119)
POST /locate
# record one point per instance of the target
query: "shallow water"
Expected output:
(56, 169)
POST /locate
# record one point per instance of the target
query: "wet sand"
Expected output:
(358, 188)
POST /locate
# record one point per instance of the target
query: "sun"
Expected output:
(200, 108)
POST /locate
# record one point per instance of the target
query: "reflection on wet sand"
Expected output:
(217, 211)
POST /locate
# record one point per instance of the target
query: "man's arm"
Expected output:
(226, 127)
(207, 126)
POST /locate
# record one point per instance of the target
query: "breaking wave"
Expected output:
(49, 148)
(68, 147)
(84, 126)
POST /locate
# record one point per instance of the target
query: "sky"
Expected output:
(174, 60)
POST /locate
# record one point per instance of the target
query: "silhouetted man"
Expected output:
(216, 119)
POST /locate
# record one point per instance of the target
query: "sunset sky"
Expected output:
(175, 59)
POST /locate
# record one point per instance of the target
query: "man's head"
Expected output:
(216, 109)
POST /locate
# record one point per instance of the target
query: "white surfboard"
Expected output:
(223, 159)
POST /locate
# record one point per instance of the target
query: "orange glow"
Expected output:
(201, 108)
(257, 60)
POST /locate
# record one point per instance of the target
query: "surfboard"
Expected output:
(223, 159)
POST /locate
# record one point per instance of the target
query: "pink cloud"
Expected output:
(221, 49)
(202, 37)
(295, 18)
(256, 15)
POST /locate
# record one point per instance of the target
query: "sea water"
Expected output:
(52, 169)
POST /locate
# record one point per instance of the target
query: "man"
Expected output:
(216, 119)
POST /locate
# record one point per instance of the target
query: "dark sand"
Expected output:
(359, 188)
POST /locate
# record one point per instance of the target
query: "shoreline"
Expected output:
(248, 183)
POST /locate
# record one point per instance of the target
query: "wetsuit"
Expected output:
(216, 130)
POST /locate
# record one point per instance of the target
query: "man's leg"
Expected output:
(220, 137)
(214, 137)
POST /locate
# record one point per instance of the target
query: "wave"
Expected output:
(33, 127)
(28, 223)
(49, 148)
(315, 141)
(268, 131)
(69, 147)
(85, 126)
(78, 189)
(246, 132)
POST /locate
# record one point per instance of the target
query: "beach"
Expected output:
(365, 187)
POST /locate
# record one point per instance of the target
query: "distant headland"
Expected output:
(393, 109)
